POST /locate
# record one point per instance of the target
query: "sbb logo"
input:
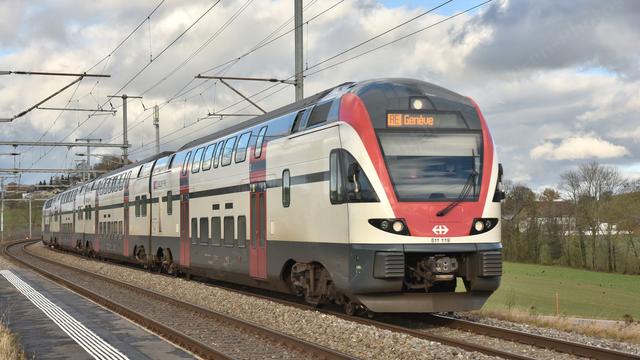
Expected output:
(440, 229)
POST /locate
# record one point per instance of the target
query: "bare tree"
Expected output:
(590, 189)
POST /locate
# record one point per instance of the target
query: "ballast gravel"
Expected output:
(554, 333)
(361, 341)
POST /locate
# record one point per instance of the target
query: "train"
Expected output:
(381, 195)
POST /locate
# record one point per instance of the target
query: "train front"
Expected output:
(422, 182)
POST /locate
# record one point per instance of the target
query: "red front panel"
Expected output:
(420, 216)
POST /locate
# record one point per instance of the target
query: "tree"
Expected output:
(590, 189)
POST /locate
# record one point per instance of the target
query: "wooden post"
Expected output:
(557, 304)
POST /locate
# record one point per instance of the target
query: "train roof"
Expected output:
(308, 101)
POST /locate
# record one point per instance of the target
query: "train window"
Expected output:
(229, 230)
(204, 231)
(297, 121)
(319, 114)
(194, 230)
(120, 227)
(227, 153)
(143, 205)
(336, 191)
(185, 163)
(286, 188)
(208, 156)
(169, 203)
(170, 164)
(242, 230)
(197, 158)
(216, 231)
(241, 150)
(137, 206)
(257, 151)
(217, 155)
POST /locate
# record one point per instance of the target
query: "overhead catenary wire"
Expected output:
(143, 69)
(264, 42)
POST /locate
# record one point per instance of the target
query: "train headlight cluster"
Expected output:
(482, 225)
(394, 226)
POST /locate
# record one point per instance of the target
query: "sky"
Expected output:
(558, 82)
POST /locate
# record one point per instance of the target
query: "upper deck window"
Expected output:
(228, 151)
(319, 114)
(259, 141)
(197, 158)
(208, 156)
(241, 151)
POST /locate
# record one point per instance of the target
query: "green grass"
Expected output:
(582, 293)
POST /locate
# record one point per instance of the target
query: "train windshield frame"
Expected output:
(433, 166)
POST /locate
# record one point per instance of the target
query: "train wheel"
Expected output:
(314, 281)
(168, 266)
(350, 308)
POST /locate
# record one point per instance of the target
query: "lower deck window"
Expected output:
(204, 231)
(242, 231)
(216, 231)
(229, 230)
(194, 230)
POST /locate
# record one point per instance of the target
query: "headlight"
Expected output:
(398, 226)
(394, 226)
(417, 104)
(482, 225)
(384, 225)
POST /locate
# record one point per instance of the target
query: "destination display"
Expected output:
(403, 119)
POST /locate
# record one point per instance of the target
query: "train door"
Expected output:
(185, 242)
(258, 246)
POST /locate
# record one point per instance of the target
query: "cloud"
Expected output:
(577, 148)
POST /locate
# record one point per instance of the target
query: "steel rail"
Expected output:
(558, 345)
(179, 338)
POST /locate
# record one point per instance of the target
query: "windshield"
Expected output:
(433, 166)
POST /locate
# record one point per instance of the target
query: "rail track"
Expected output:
(265, 343)
(553, 344)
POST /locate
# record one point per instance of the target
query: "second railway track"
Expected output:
(206, 333)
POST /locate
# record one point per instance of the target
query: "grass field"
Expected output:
(582, 293)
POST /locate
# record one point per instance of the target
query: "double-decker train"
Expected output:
(378, 195)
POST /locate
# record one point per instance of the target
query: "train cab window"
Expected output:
(217, 155)
(194, 230)
(216, 231)
(137, 206)
(257, 151)
(229, 230)
(336, 186)
(185, 163)
(204, 231)
(197, 158)
(227, 153)
(169, 203)
(286, 188)
(143, 205)
(241, 150)
(242, 230)
(319, 114)
(208, 156)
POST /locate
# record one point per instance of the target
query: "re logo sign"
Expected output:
(440, 229)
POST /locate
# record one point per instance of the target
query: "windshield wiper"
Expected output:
(471, 180)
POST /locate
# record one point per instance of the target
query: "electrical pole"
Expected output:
(297, 9)
(88, 140)
(125, 142)
(156, 123)
(30, 236)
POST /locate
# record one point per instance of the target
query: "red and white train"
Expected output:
(379, 194)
